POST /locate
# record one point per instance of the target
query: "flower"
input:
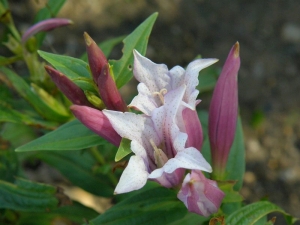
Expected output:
(158, 145)
(156, 80)
(223, 112)
(199, 194)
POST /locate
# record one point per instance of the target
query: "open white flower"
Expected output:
(158, 145)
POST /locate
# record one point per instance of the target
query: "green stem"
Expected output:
(99, 158)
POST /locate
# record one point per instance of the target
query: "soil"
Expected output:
(269, 80)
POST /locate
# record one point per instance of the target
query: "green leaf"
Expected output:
(208, 78)
(138, 39)
(252, 213)
(9, 115)
(29, 95)
(50, 10)
(75, 213)
(230, 194)
(77, 167)
(8, 165)
(153, 206)
(9, 60)
(123, 150)
(106, 47)
(191, 219)
(27, 196)
(70, 136)
(235, 167)
(75, 69)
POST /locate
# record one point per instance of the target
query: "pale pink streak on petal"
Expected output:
(170, 180)
(133, 177)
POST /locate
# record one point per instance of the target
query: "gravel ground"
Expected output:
(269, 36)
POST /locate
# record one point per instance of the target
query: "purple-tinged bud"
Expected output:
(109, 92)
(67, 87)
(193, 128)
(200, 195)
(96, 121)
(45, 25)
(223, 113)
(96, 57)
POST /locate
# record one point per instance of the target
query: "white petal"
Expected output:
(191, 76)
(154, 76)
(177, 76)
(133, 127)
(144, 101)
(133, 177)
(189, 158)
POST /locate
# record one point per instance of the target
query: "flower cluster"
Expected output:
(166, 137)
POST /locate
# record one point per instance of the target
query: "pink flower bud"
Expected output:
(45, 25)
(96, 57)
(109, 92)
(223, 113)
(96, 121)
(67, 87)
(200, 195)
(193, 128)
(101, 74)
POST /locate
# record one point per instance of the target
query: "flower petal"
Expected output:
(144, 101)
(189, 158)
(154, 76)
(191, 79)
(133, 177)
(200, 195)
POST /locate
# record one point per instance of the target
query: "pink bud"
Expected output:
(70, 90)
(45, 25)
(193, 128)
(109, 92)
(100, 69)
(96, 57)
(96, 121)
(223, 113)
(200, 195)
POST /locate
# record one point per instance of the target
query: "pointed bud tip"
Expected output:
(87, 38)
(236, 49)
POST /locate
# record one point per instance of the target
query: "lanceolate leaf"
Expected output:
(28, 196)
(75, 213)
(138, 40)
(75, 69)
(153, 206)
(78, 167)
(70, 136)
(29, 95)
(252, 213)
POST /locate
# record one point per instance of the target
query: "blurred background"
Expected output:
(269, 80)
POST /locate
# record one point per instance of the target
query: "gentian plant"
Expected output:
(159, 158)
